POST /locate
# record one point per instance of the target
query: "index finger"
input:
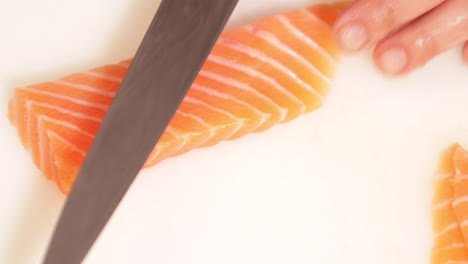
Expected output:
(366, 22)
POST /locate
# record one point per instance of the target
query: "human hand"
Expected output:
(407, 33)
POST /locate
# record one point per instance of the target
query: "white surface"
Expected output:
(350, 183)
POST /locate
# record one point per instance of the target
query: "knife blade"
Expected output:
(177, 43)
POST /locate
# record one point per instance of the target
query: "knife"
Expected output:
(176, 45)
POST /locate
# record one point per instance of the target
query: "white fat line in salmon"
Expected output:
(201, 102)
(256, 54)
(239, 121)
(177, 134)
(41, 135)
(441, 205)
(306, 39)
(213, 92)
(464, 224)
(65, 111)
(104, 76)
(65, 97)
(65, 124)
(457, 245)
(444, 176)
(459, 176)
(83, 87)
(222, 79)
(154, 154)
(40, 119)
(212, 129)
(39, 127)
(201, 121)
(43, 153)
(272, 39)
(187, 134)
(254, 73)
(317, 19)
(460, 200)
(74, 147)
(157, 150)
(446, 229)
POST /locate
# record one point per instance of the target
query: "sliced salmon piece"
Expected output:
(258, 75)
(450, 208)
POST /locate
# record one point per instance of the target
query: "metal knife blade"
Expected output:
(173, 50)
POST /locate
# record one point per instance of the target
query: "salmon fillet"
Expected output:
(450, 209)
(258, 75)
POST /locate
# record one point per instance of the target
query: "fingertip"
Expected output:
(392, 60)
(414, 45)
(352, 37)
(350, 34)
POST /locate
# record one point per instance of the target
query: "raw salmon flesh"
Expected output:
(450, 208)
(258, 75)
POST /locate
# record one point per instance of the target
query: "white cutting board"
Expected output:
(350, 183)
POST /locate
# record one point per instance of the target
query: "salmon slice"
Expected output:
(450, 208)
(258, 75)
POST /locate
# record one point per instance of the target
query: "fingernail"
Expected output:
(353, 36)
(394, 60)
